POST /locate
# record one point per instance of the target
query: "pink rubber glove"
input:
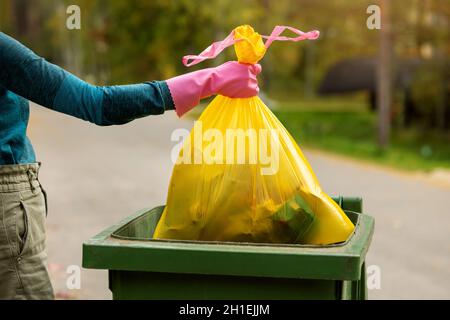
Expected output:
(231, 79)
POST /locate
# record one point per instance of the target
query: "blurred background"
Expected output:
(369, 106)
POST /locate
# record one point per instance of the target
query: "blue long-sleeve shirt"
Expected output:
(25, 76)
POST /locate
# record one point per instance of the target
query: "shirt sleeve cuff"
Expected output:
(166, 95)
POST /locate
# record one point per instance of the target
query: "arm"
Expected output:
(30, 76)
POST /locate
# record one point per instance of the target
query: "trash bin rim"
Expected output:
(341, 262)
(245, 244)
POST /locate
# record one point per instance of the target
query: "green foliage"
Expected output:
(353, 133)
(428, 91)
(147, 39)
(135, 40)
(125, 41)
(5, 16)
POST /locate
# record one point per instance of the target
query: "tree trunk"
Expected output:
(22, 17)
(384, 76)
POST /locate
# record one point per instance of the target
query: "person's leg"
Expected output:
(9, 279)
(23, 271)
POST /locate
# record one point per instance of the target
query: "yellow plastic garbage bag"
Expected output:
(240, 176)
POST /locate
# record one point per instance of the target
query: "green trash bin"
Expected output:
(144, 268)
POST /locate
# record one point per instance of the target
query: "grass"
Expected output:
(353, 133)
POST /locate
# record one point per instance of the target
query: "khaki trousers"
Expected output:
(23, 208)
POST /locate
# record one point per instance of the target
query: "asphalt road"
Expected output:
(95, 176)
